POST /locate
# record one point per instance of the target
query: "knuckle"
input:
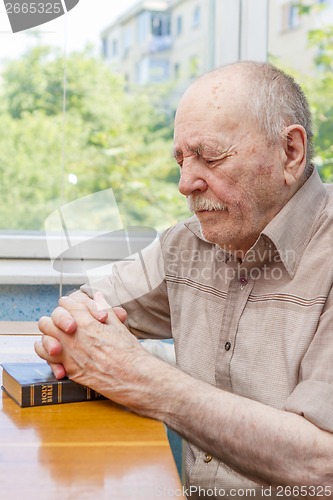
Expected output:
(43, 322)
(58, 314)
(63, 300)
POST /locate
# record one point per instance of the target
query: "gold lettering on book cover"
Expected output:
(47, 394)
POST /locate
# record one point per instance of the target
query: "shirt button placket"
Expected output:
(243, 281)
(227, 346)
(207, 458)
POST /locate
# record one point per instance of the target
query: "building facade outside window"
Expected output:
(114, 47)
(194, 66)
(105, 51)
(143, 26)
(127, 40)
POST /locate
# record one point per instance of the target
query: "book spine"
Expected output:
(57, 392)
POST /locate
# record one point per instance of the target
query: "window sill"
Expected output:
(25, 260)
(39, 272)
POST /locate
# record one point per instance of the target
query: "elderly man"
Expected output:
(246, 294)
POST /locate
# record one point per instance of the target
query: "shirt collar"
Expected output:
(193, 225)
(291, 229)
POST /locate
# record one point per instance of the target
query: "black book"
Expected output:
(33, 384)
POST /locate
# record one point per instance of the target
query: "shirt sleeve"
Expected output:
(138, 285)
(313, 396)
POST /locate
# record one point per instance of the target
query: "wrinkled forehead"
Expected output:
(214, 106)
(215, 95)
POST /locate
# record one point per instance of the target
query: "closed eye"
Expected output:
(218, 159)
(177, 156)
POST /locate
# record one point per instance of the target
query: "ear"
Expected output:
(294, 144)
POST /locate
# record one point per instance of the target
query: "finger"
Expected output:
(120, 313)
(51, 345)
(49, 349)
(42, 353)
(47, 326)
(58, 370)
(93, 307)
(79, 296)
(98, 308)
(102, 303)
(79, 310)
(40, 350)
(64, 320)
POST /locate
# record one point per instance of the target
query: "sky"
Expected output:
(82, 25)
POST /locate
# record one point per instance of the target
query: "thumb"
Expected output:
(120, 313)
(103, 305)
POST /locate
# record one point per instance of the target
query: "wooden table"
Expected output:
(91, 450)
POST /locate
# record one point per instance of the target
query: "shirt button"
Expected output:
(243, 281)
(227, 346)
(208, 458)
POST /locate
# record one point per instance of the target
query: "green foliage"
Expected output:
(322, 40)
(306, 7)
(319, 90)
(107, 138)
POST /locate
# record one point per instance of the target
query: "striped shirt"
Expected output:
(261, 328)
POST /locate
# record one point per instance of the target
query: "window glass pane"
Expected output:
(112, 133)
(179, 22)
(196, 16)
(118, 73)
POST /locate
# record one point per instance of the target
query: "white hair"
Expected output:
(276, 101)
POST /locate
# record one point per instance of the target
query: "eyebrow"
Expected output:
(177, 153)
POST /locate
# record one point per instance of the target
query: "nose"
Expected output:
(190, 181)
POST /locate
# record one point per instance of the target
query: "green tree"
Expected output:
(107, 138)
(319, 89)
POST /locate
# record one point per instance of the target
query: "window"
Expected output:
(290, 17)
(179, 25)
(114, 47)
(60, 144)
(196, 17)
(156, 25)
(44, 163)
(160, 25)
(159, 70)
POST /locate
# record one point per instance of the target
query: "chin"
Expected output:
(210, 236)
(224, 238)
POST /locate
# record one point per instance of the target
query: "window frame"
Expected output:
(24, 258)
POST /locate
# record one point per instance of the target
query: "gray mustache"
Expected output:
(197, 203)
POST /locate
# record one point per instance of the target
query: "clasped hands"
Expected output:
(87, 340)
